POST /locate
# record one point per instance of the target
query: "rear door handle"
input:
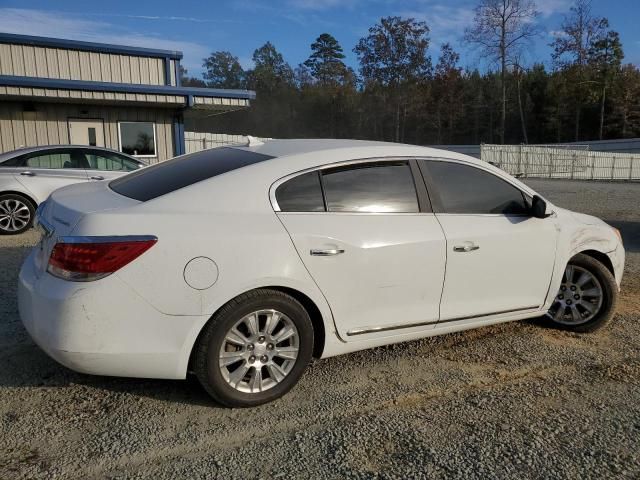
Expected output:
(327, 252)
(28, 174)
(465, 248)
(97, 177)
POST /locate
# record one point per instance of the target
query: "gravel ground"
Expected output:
(511, 401)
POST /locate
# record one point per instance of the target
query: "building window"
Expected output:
(137, 138)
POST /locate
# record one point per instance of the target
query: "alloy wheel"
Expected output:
(579, 299)
(14, 215)
(259, 351)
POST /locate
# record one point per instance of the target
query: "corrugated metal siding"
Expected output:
(48, 125)
(30, 61)
(172, 100)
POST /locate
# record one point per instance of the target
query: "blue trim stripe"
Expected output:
(167, 71)
(87, 46)
(35, 82)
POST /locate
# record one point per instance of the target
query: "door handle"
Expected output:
(97, 177)
(326, 253)
(28, 174)
(465, 248)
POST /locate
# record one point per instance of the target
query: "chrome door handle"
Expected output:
(97, 177)
(326, 253)
(466, 248)
(28, 174)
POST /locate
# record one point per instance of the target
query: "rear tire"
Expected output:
(254, 349)
(587, 297)
(16, 213)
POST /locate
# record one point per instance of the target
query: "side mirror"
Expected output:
(538, 207)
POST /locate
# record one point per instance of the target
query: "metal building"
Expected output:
(55, 91)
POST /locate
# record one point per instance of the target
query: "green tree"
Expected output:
(605, 55)
(325, 62)
(447, 93)
(394, 55)
(271, 72)
(223, 70)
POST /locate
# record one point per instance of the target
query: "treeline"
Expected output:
(399, 93)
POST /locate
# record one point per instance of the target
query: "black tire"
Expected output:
(206, 356)
(609, 296)
(11, 199)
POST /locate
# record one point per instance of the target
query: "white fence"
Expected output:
(562, 162)
(196, 141)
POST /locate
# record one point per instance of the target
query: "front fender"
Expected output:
(575, 238)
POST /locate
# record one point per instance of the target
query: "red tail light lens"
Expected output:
(91, 258)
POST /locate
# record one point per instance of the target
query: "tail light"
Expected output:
(84, 259)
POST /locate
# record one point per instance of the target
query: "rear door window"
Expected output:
(180, 172)
(383, 187)
(110, 162)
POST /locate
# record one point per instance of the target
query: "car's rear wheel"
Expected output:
(587, 297)
(254, 349)
(16, 214)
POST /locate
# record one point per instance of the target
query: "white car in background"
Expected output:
(29, 175)
(240, 264)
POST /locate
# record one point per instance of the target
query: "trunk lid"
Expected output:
(60, 213)
(65, 207)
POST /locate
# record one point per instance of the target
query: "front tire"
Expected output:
(16, 214)
(254, 349)
(587, 297)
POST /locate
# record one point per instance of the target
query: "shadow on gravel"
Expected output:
(630, 231)
(25, 365)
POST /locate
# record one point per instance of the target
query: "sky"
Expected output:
(240, 26)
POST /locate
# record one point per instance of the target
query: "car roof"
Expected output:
(355, 149)
(42, 148)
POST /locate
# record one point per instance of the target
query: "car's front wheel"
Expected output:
(16, 214)
(587, 297)
(254, 349)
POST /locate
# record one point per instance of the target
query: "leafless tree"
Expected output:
(501, 28)
(579, 31)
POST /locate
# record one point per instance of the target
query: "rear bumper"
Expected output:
(102, 327)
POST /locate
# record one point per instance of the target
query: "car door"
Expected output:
(499, 258)
(371, 244)
(105, 165)
(44, 171)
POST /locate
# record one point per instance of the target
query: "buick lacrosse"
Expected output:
(240, 264)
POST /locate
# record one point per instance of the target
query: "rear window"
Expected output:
(166, 177)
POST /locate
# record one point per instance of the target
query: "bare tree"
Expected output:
(501, 28)
(579, 31)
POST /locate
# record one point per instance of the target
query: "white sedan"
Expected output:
(29, 175)
(240, 264)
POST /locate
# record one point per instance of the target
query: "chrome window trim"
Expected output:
(281, 180)
(342, 163)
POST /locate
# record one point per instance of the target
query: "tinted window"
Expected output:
(166, 177)
(55, 160)
(464, 189)
(301, 194)
(138, 138)
(108, 161)
(13, 162)
(383, 188)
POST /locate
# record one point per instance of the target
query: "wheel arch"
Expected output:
(315, 314)
(22, 194)
(599, 256)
